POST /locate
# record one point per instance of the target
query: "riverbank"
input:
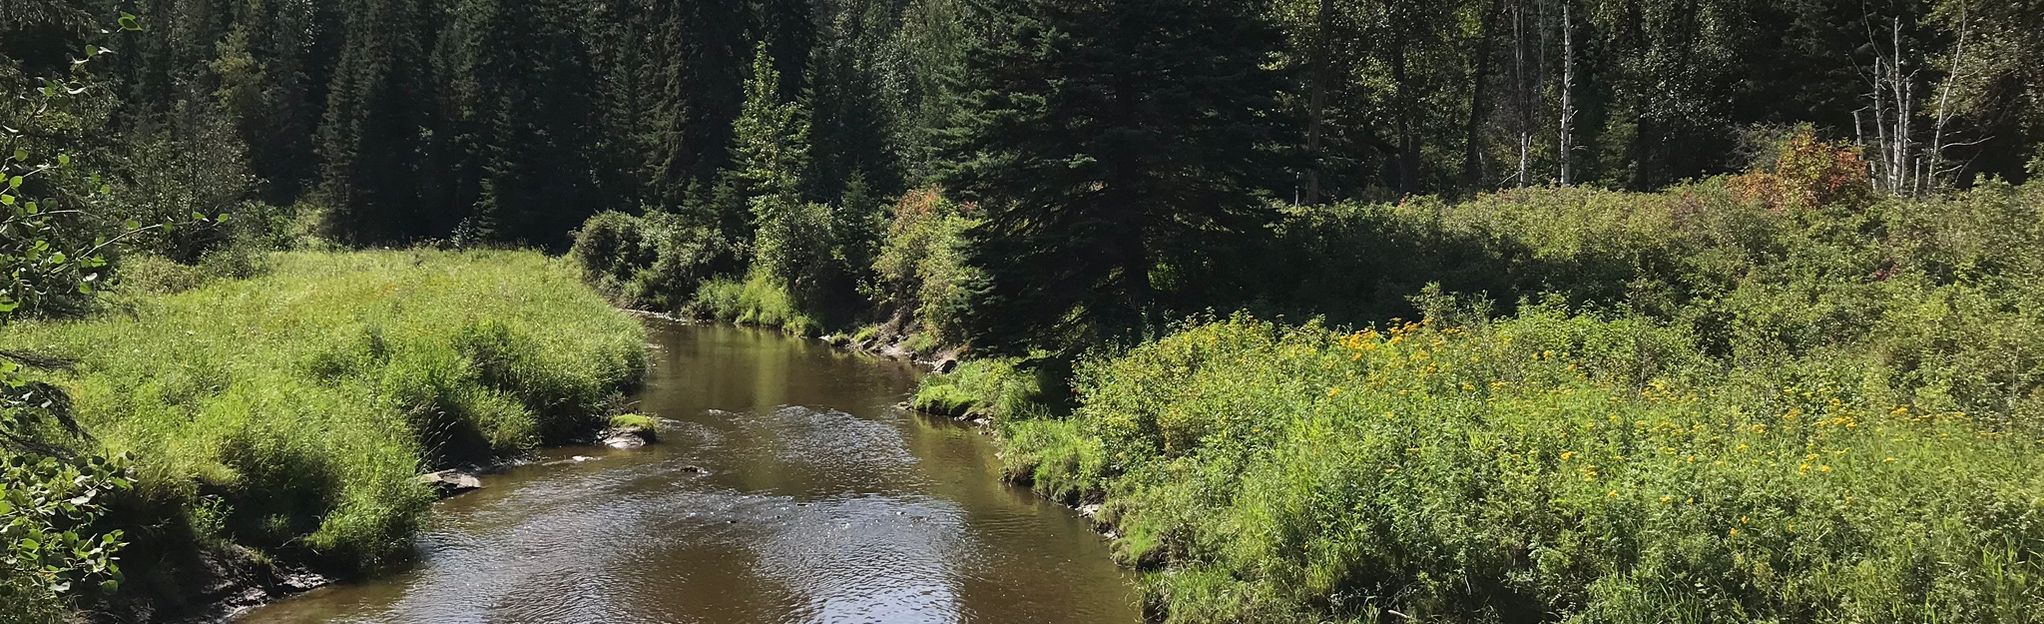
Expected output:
(1792, 412)
(279, 422)
(787, 487)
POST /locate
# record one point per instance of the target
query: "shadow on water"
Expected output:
(787, 489)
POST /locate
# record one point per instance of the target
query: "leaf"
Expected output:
(109, 586)
(63, 160)
(14, 182)
(130, 23)
(20, 154)
(59, 258)
(6, 200)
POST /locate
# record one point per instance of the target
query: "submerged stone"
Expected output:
(451, 483)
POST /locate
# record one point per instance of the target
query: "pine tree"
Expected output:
(770, 157)
(523, 115)
(377, 178)
(1111, 144)
(850, 122)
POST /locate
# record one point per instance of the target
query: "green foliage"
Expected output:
(1585, 467)
(655, 262)
(48, 508)
(1005, 389)
(1111, 146)
(298, 406)
(920, 275)
(54, 253)
(759, 300)
(1771, 418)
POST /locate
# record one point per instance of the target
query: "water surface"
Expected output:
(789, 489)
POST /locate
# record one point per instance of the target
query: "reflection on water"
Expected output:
(789, 489)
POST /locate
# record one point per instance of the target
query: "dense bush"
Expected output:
(1005, 388)
(291, 412)
(920, 275)
(1770, 398)
(759, 300)
(1546, 467)
(654, 262)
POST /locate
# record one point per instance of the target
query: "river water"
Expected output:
(788, 489)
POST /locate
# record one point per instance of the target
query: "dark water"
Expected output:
(822, 502)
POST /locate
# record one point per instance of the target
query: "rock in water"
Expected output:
(450, 483)
(624, 440)
(629, 436)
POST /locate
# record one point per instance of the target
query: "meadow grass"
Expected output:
(1699, 405)
(1546, 467)
(290, 412)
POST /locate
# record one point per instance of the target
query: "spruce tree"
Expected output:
(523, 115)
(850, 125)
(1110, 144)
(695, 69)
(377, 163)
(770, 157)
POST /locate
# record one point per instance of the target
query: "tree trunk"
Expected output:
(1472, 147)
(1568, 87)
(1407, 164)
(1316, 99)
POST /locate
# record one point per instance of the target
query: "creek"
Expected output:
(786, 487)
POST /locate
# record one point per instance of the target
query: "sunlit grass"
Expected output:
(297, 406)
(1551, 463)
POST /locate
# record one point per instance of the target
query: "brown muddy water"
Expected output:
(788, 489)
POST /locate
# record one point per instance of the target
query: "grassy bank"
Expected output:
(288, 413)
(1704, 405)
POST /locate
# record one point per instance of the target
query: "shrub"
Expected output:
(654, 262)
(1004, 389)
(920, 271)
(758, 300)
(1582, 467)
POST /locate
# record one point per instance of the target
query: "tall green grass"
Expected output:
(1731, 401)
(291, 411)
(757, 301)
(1547, 467)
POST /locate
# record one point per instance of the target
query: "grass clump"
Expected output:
(290, 412)
(633, 421)
(758, 300)
(998, 388)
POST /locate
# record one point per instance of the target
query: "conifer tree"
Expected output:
(1110, 145)
(695, 69)
(770, 158)
(377, 163)
(850, 125)
(524, 120)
